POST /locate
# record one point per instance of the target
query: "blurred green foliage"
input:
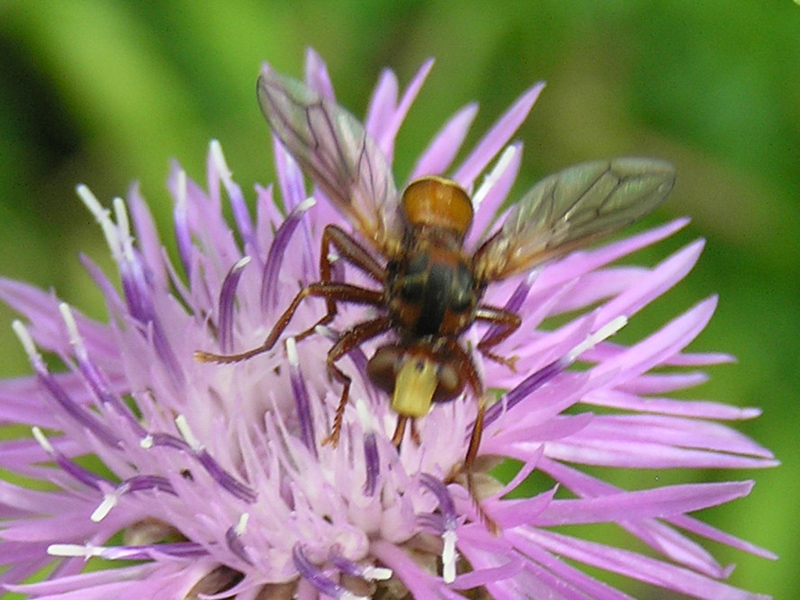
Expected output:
(105, 93)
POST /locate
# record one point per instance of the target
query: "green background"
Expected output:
(105, 93)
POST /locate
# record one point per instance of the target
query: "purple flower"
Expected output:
(187, 478)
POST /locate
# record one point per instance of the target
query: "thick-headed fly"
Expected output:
(428, 286)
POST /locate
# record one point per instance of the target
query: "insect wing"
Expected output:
(334, 149)
(573, 208)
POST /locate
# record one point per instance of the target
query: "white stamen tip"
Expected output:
(146, 442)
(291, 352)
(364, 416)
(325, 332)
(241, 525)
(605, 332)
(449, 556)
(101, 215)
(306, 204)
(242, 263)
(183, 191)
(39, 436)
(507, 155)
(73, 550)
(186, 432)
(101, 512)
(377, 573)
(69, 321)
(25, 339)
(532, 275)
(491, 178)
(92, 203)
(121, 214)
(351, 596)
(123, 227)
(219, 159)
(611, 327)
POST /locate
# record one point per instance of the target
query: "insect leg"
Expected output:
(331, 291)
(466, 366)
(400, 430)
(505, 323)
(415, 437)
(350, 250)
(351, 338)
(469, 463)
(463, 361)
(467, 371)
(354, 253)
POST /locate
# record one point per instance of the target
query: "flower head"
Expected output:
(213, 479)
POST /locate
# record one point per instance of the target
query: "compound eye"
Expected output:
(382, 368)
(450, 383)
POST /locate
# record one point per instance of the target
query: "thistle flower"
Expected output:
(211, 480)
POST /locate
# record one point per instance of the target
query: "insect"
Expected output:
(428, 286)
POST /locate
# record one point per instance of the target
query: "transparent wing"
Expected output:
(571, 209)
(333, 148)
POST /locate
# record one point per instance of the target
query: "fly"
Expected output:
(429, 287)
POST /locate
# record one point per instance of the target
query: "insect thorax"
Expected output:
(432, 291)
